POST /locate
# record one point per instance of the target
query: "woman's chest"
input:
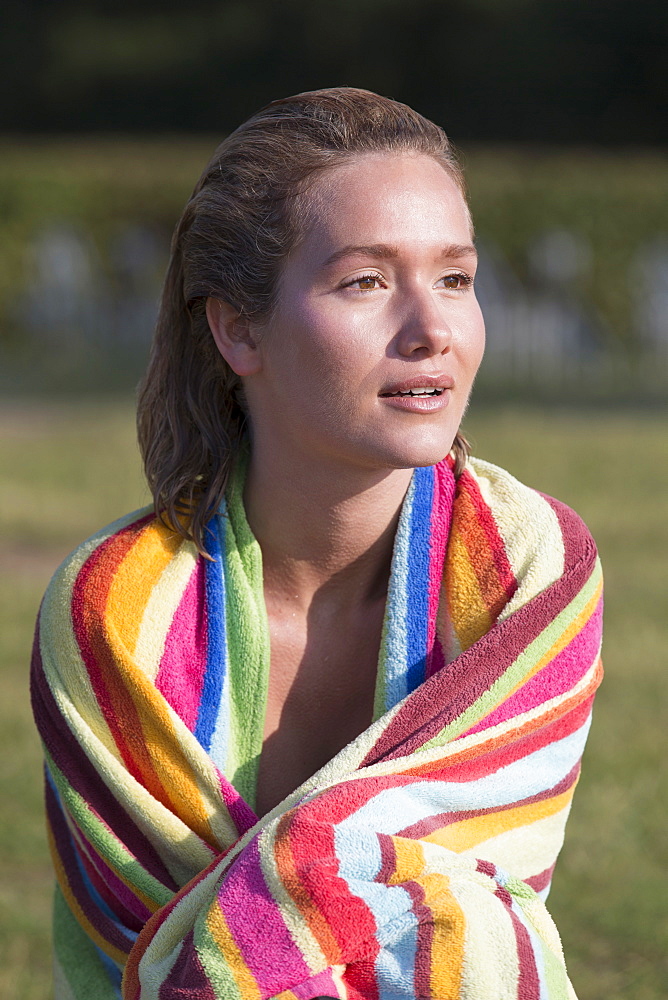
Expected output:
(320, 694)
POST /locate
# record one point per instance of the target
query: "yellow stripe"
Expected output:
(447, 948)
(222, 935)
(408, 860)
(161, 607)
(161, 738)
(135, 578)
(526, 850)
(468, 611)
(468, 833)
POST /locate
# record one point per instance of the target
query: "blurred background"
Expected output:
(108, 113)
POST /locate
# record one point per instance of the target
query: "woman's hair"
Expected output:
(237, 229)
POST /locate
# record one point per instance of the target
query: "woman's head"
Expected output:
(248, 213)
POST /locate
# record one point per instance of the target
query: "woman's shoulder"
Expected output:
(132, 549)
(518, 507)
(541, 537)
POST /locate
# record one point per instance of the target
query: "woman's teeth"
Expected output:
(417, 392)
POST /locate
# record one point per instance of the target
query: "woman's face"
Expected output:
(377, 336)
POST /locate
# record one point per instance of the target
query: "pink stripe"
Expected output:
(182, 667)
(242, 814)
(441, 519)
(557, 677)
(255, 922)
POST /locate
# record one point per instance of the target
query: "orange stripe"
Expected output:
(468, 612)
(134, 580)
(149, 744)
(479, 547)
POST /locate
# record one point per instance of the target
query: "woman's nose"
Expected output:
(424, 326)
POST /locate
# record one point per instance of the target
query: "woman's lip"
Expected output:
(441, 381)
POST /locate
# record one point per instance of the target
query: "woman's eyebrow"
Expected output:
(378, 250)
(386, 250)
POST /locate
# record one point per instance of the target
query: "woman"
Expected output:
(313, 725)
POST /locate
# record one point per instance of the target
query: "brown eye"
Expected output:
(365, 283)
(456, 281)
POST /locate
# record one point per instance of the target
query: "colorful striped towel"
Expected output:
(416, 862)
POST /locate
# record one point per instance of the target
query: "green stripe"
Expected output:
(218, 971)
(518, 670)
(554, 969)
(106, 843)
(77, 956)
(379, 706)
(248, 643)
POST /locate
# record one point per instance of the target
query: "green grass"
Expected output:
(68, 469)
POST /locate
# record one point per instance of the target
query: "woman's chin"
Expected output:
(409, 455)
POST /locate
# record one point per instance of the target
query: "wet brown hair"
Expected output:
(243, 219)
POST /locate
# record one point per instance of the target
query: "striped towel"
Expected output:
(415, 864)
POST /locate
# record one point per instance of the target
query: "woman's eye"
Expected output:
(457, 281)
(365, 283)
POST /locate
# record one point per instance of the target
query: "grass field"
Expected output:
(67, 469)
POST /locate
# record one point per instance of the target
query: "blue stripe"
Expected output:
(358, 853)
(115, 974)
(98, 901)
(418, 577)
(216, 654)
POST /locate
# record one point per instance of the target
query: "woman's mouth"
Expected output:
(419, 393)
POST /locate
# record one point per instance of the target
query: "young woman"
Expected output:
(313, 723)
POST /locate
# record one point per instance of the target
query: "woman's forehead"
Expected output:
(385, 198)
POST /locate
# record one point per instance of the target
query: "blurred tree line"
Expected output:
(585, 71)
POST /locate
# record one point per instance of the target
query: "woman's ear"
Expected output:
(231, 332)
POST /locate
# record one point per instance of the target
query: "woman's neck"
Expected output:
(323, 529)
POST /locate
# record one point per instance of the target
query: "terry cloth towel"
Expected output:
(416, 862)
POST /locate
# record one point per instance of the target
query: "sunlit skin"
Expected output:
(378, 292)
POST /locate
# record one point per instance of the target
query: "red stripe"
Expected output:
(388, 858)
(89, 601)
(349, 919)
(488, 763)
(497, 550)
(425, 938)
(528, 986)
(541, 880)
(187, 979)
